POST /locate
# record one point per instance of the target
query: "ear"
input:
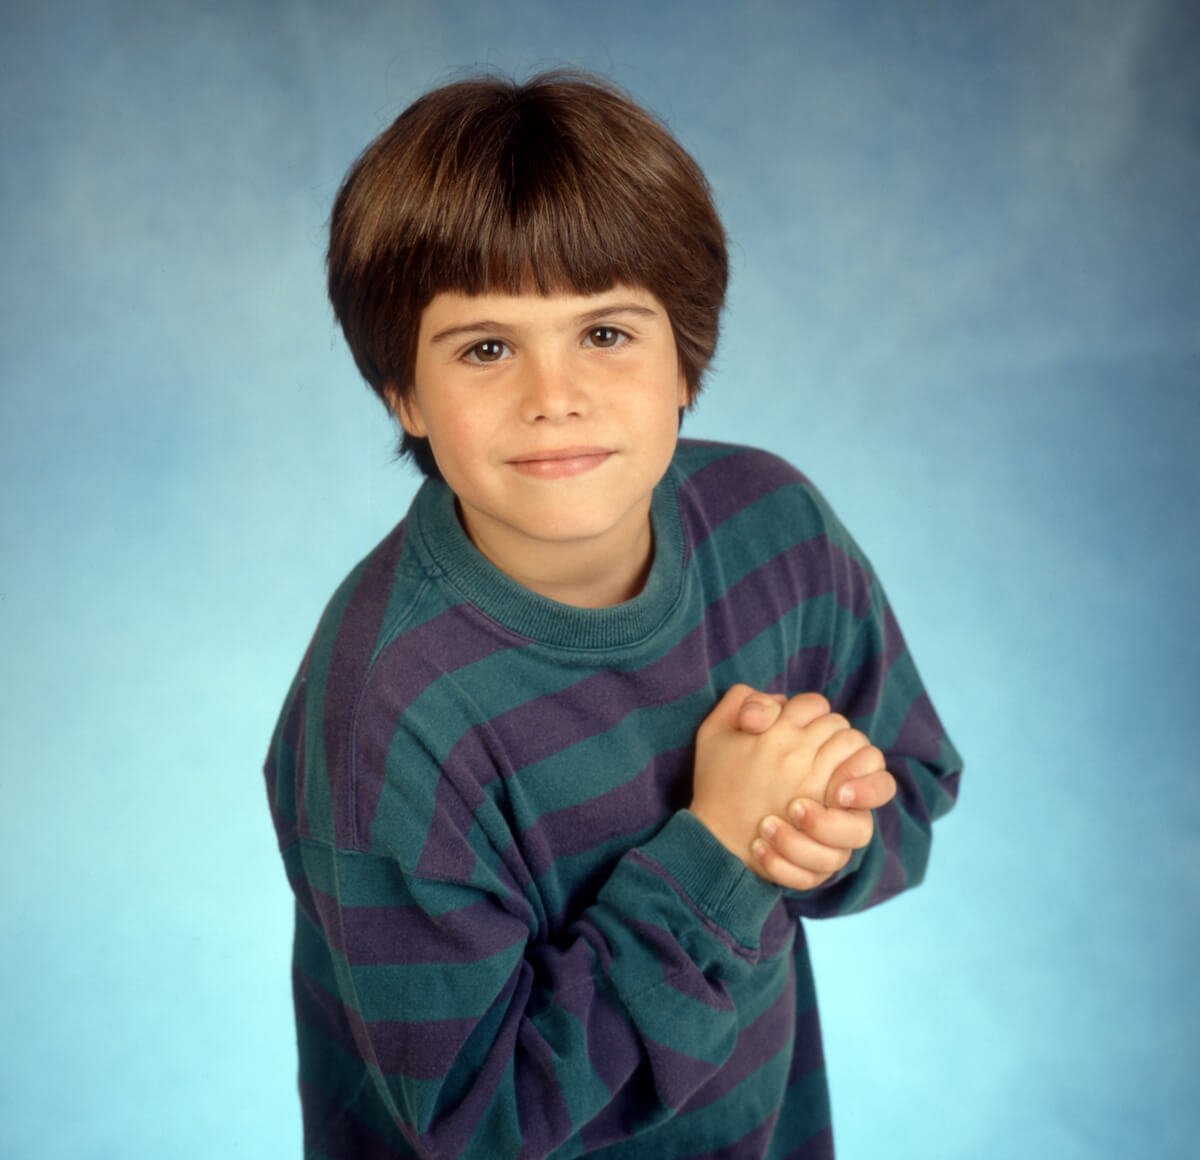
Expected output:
(407, 410)
(684, 393)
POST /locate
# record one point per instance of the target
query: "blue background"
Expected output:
(966, 299)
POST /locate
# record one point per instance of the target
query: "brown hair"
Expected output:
(560, 184)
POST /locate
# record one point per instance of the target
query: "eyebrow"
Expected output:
(485, 325)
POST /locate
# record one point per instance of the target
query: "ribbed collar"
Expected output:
(451, 556)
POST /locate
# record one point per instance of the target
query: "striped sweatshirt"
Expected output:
(513, 939)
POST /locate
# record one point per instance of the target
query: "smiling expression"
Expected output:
(552, 419)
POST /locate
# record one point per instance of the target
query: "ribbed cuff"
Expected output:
(717, 882)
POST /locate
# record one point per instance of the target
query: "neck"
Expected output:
(589, 575)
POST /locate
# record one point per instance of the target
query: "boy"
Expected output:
(562, 767)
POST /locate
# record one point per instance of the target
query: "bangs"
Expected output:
(524, 203)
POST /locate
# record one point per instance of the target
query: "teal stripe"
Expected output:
(360, 879)
(349, 1085)
(408, 802)
(770, 523)
(317, 864)
(901, 690)
(427, 993)
(805, 1114)
(411, 602)
(600, 763)
(583, 1091)
(742, 1110)
(580, 866)
(311, 955)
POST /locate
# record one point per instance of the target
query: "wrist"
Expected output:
(726, 834)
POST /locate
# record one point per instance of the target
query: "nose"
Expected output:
(552, 391)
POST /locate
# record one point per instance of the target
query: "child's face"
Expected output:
(551, 418)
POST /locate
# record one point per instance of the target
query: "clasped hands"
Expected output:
(787, 785)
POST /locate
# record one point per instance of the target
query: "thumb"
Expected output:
(759, 711)
(726, 712)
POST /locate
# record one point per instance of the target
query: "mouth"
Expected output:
(560, 462)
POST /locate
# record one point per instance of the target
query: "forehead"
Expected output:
(452, 310)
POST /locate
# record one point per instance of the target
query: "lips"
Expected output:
(560, 462)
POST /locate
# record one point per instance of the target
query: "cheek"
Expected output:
(461, 438)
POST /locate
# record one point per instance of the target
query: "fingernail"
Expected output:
(769, 826)
(759, 847)
(796, 809)
(846, 795)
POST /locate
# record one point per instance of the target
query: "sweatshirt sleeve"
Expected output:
(873, 680)
(485, 1037)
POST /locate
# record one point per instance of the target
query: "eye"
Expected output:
(490, 350)
(606, 336)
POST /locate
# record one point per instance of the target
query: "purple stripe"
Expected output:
(447, 854)
(623, 1115)
(350, 658)
(679, 972)
(921, 734)
(291, 735)
(677, 1076)
(425, 1050)
(657, 792)
(305, 901)
(894, 646)
(892, 877)
(328, 916)
(612, 1051)
(441, 645)
(541, 1105)
(407, 936)
(862, 689)
(753, 1143)
(447, 642)
(785, 582)
(918, 740)
(778, 934)
(808, 671)
(808, 1053)
(323, 1013)
(819, 1147)
(540, 728)
(728, 486)
(757, 1045)
(495, 1073)
(330, 1129)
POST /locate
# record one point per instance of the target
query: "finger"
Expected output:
(801, 749)
(805, 708)
(867, 758)
(759, 711)
(778, 869)
(840, 829)
(802, 849)
(724, 714)
(849, 748)
(868, 792)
